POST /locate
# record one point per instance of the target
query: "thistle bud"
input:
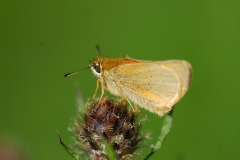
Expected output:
(105, 119)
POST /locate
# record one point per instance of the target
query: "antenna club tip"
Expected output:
(66, 75)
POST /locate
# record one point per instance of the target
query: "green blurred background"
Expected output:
(40, 41)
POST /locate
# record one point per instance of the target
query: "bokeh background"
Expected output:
(40, 41)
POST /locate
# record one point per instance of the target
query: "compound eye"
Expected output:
(97, 68)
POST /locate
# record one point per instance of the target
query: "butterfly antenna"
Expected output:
(72, 73)
(98, 49)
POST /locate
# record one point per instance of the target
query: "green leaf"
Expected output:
(167, 124)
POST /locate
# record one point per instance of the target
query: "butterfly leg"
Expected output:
(95, 89)
(102, 87)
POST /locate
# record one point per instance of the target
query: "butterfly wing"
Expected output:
(156, 86)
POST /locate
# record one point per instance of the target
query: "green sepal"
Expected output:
(111, 153)
(68, 149)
